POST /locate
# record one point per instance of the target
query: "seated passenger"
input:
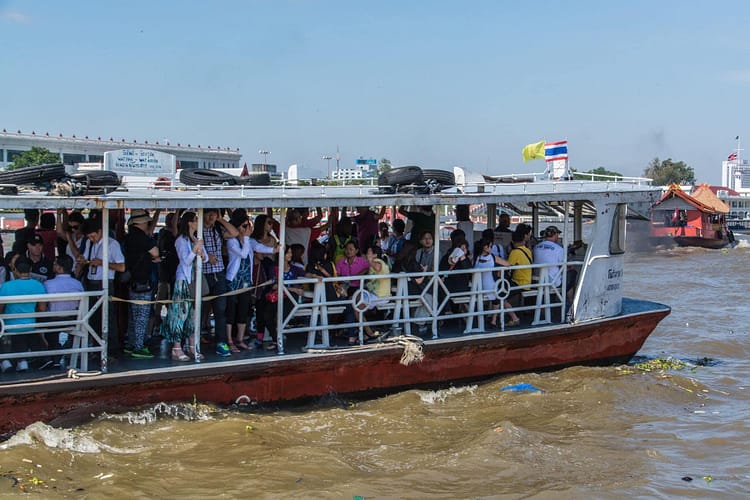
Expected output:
(377, 290)
(352, 264)
(549, 251)
(520, 255)
(486, 260)
(22, 284)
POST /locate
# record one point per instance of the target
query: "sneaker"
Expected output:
(6, 365)
(128, 349)
(222, 349)
(141, 353)
(22, 366)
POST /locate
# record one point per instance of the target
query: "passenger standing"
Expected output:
(168, 262)
(422, 219)
(92, 258)
(367, 225)
(21, 285)
(240, 275)
(215, 231)
(180, 323)
(63, 282)
(26, 233)
(140, 253)
(49, 234)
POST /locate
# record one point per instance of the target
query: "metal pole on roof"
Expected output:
(198, 291)
(105, 286)
(280, 281)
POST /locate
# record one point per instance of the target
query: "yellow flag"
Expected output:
(533, 151)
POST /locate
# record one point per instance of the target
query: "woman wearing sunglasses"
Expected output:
(239, 275)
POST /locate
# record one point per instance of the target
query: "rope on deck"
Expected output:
(412, 345)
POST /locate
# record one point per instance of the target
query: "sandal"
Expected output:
(179, 355)
(232, 347)
(191, 353)
(271, 347)
(513, 322)
(240, 343)
(353, 341)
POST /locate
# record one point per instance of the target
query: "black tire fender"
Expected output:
(206, 177)
(443, 177)
(401, 175)
(30, 175)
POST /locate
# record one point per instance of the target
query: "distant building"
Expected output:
(735, 174)
(75, 150)
(364, 168)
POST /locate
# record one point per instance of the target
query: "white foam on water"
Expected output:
(440, 396)
(178, 411)
(63, 439)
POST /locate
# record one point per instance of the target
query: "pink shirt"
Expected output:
(359, 264)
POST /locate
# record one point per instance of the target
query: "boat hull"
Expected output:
(697, 241)
(295, 377)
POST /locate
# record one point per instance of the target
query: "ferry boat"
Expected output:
(697, 219)
(597, 325)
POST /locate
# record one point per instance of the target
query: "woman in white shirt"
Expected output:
(179, 324)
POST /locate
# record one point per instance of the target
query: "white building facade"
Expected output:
(75, 150)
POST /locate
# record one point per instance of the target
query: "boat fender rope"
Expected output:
(75, 374)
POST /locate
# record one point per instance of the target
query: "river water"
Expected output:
(605, 432)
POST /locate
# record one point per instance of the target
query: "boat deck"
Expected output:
(294, 346)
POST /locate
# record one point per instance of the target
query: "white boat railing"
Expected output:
(73, 322)
(433, 302)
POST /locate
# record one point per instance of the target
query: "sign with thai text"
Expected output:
(141, 162)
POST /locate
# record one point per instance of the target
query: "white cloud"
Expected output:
(14, 16)
(738, 76)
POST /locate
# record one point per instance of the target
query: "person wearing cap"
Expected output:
(91, 257)
(140, 251)
(41, 266)
(549, 251)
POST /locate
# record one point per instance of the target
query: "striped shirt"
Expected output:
(212, 242)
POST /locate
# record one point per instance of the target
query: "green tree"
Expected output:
(667, 172)
(597, 171)
(384, 165)
(34, 156)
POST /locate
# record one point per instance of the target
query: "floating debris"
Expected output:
(662, 364)
(522, 387)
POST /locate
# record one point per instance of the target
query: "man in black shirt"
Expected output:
(41, 266)
(140, 251)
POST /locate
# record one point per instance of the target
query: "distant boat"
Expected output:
(697, 219)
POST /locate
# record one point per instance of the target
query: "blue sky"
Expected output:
(431, 83)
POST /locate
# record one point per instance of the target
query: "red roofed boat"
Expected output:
(690, 220)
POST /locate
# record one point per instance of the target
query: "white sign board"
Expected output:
(141, 163)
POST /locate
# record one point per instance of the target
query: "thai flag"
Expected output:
(732, 157)
(554, 151)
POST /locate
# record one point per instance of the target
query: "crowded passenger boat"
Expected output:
(286, 293)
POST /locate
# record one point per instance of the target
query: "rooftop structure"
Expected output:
(74, 150)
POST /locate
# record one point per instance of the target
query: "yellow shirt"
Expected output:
(380, 286)
(520, 256)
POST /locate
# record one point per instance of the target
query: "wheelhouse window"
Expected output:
(617, 238)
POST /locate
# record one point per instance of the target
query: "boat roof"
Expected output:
(289, 196)
(675, 191)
